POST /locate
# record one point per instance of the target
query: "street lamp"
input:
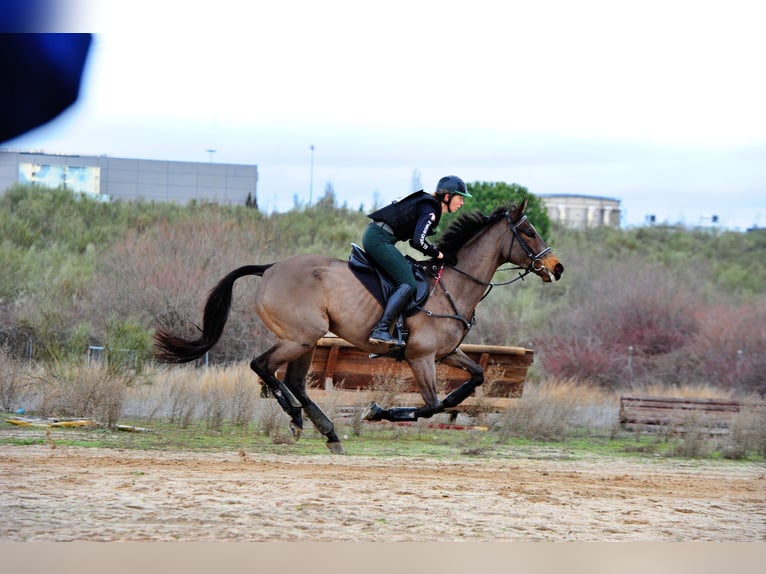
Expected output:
(311, 175)
(211, 152)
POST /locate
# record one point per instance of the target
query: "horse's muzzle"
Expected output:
(551, 269)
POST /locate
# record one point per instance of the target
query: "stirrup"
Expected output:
(384, 337)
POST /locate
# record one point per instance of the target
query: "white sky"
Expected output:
(659, 104)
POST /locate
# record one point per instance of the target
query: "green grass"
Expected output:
(375, 439)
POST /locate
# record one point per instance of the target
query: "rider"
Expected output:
(413, 217)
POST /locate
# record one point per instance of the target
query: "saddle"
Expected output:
(380, 285)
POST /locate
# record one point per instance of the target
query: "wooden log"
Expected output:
(337, 363)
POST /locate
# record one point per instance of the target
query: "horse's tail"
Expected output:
(173, 349)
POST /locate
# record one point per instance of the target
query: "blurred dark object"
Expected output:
(28, 15)
(40, 77)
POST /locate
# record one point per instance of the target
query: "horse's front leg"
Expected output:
(462, 361)
(427, 372)
(433, 406)
(424, 369)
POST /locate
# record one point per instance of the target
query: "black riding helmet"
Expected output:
(452, 184)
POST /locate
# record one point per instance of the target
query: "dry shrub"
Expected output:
(14, 380)
(184, 401)
(273, 422)
(79, 390)
(549, 409)
(386, 388)
(228, 394)
(747, 433)
(730, 347)
(163, 276)
(634, 313)
(694, 442)
(185, 393)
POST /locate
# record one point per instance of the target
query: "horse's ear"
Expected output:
(519, 210)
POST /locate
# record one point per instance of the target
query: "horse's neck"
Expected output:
(482, 256)
(480, 259)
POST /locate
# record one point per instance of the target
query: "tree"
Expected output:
(328, 201)
(487, 196)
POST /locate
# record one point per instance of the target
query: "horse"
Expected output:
(302, 298)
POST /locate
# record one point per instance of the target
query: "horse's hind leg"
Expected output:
(295, 380)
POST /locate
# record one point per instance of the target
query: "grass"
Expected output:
(376, 439)
(220, 409)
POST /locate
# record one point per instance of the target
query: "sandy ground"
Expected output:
(87, 494)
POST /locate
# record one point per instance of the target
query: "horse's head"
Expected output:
(528, 250)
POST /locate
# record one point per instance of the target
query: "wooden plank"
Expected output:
(329, 368)
(338, 364)
(339, 398)
(681, 403)
(680, 412)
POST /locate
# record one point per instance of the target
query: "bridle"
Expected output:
(535, 265)
(535, 260)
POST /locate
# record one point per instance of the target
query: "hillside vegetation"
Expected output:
(635, 307)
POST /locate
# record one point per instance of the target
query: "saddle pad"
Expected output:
(380, 285)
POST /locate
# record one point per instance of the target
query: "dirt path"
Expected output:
(72, 493)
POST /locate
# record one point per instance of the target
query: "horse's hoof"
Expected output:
(336, 448)
(296, 420)
(372, 412)
(296, 431)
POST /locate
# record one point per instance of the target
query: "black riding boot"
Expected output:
(394, 306)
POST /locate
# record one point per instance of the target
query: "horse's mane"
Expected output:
(467, 226)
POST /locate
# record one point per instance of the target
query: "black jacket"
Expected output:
(413, 217)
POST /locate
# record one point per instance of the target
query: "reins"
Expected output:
(535, 264)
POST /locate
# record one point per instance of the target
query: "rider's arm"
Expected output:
(422, 230)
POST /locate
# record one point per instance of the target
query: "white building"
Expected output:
(582, 211)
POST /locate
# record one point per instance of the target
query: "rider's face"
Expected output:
(455, 202)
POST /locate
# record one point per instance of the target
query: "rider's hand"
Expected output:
(440, 256)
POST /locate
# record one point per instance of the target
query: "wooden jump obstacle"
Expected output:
(680, 414)
(347, 376)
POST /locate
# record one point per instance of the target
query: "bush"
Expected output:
(79, 390)
(747, 434)
(550, 410)
(14, 380)
(634, 316)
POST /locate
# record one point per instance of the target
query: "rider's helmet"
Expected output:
(452, 184)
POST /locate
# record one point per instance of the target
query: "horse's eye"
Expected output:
(531, 234)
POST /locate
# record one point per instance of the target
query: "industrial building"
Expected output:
(582, 211)
(107, 178)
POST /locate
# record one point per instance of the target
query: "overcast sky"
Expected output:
(658, 104)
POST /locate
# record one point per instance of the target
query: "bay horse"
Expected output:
(301, 298)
